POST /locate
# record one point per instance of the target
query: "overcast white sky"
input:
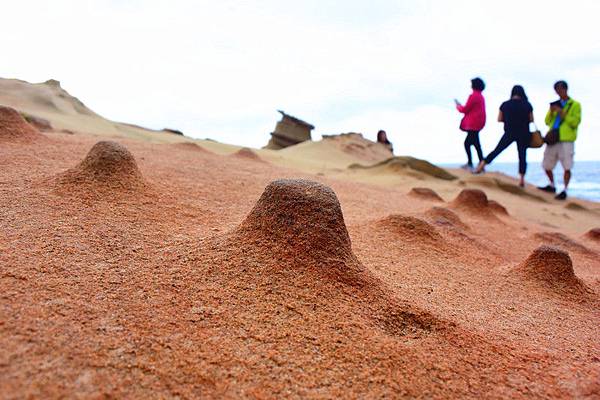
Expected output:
(221, 69)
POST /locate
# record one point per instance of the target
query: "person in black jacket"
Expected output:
(516, 114)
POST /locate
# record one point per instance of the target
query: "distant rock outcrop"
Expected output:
(288, 132)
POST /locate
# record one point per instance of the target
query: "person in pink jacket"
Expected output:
(473, 121)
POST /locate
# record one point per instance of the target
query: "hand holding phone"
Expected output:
(456, 102)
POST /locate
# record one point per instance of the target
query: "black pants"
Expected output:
(522, 145)
(473, 140)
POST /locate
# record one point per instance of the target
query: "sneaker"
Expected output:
(548, 188)
(467, 167)
(561, 196)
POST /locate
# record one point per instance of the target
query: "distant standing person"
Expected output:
(382, 138)
(473, 121)
(564, 116)
(516, 114)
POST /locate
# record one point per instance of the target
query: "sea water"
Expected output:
(585, 179)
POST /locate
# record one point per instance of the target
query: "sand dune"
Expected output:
(140, 268)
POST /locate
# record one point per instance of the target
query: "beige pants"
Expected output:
(561, 151)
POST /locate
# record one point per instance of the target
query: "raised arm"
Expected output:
(467, 107)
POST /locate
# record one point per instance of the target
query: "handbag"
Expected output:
(536, 138)
(551, 137)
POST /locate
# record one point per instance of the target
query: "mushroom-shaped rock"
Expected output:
(13, 126)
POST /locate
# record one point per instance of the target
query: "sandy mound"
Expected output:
(444, 217)
(301, 220)
(410, 228)
(593, 234)
(247, 154)
(551, 267)
(563, 242)
(475, 202)
(108, 165)
(497, 207)
(13, 127)
(407, 165)
(425, 194)
(190, 146)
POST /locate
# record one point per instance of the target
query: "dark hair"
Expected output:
(478, 84)
(562, 84)
(379, 134)
(518, 90)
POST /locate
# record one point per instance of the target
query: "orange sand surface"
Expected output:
(133, 269)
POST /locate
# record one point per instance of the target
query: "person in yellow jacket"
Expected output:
(564, 116)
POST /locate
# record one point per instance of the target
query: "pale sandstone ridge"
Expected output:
(50, 105)
(14, 128)
(407, 165)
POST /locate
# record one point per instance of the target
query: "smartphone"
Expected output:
(456, 102)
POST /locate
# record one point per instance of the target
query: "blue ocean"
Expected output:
(585, 182)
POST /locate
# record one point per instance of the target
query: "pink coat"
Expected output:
(474, 110)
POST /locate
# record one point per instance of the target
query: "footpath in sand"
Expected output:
(131, 269)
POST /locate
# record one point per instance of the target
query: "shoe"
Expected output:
(561, 196)
(467, 167)
(548, 188)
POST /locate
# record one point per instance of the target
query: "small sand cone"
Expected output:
(108, 165)
(298, 224)
(553, 268)
(475, 203)
(497, 207)
(444, 217)
(247, 154)
(425, 194)
(593, 234)
(410, 228)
